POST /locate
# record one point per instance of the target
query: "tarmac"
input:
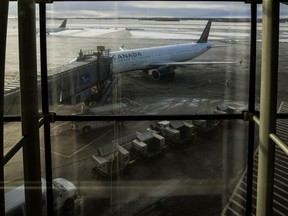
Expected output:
(195, 180)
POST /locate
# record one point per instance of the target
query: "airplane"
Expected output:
(162, 60)
(62, 27)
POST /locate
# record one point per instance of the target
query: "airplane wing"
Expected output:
(189, 63)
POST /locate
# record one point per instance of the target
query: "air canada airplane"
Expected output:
(62, 27)
(162, 60)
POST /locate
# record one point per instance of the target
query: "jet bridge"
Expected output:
(72, 83)
(77, 81)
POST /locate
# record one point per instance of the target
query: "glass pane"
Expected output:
(12, 134)
(12, 85)
(142, 167)
(282, 76)
(175, 167)
(109, 57)
(13, 169)
(280, 156)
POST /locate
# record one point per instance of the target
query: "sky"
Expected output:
(137, 9)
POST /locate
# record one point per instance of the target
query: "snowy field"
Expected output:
(87, 34)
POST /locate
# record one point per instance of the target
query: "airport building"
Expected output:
(108, 109)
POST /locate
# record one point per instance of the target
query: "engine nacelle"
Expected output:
(163, 72)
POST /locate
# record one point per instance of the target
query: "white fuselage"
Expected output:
(147, 58)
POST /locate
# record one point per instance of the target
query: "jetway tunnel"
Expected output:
(69, 84)
(76, 82)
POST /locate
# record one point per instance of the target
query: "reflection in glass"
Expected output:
(143, 167)
(152, 166)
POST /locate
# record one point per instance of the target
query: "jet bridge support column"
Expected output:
(268, 106)
(29, 106)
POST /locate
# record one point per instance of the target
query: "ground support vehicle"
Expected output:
(176, 132)
(64, 195)
(225, 108)
(109, 160)
(148, 145)
(84, 127)
(203, 127)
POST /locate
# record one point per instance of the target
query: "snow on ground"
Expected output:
(85, 32)
(137, 34)
(114, 33)
(183, 30)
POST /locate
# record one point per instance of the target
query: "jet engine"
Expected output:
(163, 72)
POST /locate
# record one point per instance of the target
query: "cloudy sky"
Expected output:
(147, 9)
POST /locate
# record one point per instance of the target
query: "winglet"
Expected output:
(63, 24)
(205, 33)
